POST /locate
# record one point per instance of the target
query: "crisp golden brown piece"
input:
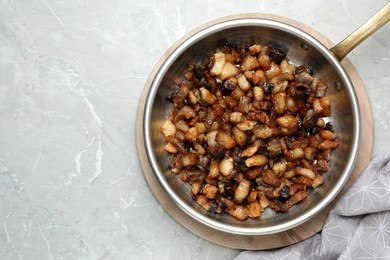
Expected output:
(239, 212)
(219, 63)
(226, 167)
(256, 160)
(242, 191)
(254, 209)
(168, 129)
(210, 191)
(249, 130)
(228, 71)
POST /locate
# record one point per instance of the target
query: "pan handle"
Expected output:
(372, 25)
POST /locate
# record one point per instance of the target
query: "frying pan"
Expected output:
(302, 49)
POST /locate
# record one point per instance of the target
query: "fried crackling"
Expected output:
(249, 130)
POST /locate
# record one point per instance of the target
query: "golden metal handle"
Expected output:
(368, 28)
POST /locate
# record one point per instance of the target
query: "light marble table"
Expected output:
(71, 74)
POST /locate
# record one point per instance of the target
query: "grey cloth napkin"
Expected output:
(358, 227)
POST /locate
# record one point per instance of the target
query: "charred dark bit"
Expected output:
(310, 120)
(315, 130)
(227, 87)
(212, 83)
(273, 147)
(228, 193)
(199, 74)
(284, 193)
(209, 62)
(329, 126)
(204, 83)
(277, 55)
(304, 68)
(268, 87)
(214, 207)
(203, 163)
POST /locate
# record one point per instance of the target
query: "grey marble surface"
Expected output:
(71, 75)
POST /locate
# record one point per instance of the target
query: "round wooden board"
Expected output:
(296, 234)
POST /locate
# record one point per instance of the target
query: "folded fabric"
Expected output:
(358, 227)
